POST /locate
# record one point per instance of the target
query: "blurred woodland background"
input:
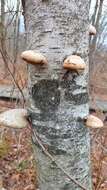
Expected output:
(13, 84)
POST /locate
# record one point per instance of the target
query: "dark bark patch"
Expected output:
(46, 96)
(68, 84)
(54, 150)
(77, 99)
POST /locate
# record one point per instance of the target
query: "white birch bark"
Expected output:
(58, 29)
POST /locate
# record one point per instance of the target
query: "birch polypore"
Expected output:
(74, 62)
(94, 122)
(33, 57)
(14, 118)
(92, 30)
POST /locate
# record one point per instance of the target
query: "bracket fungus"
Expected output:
(93, 122)
(74, 62)
(33, 57)
(14, 118)
(92, 30)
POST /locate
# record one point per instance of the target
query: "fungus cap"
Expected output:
(33, 57)
(92, 30)
(74, 62)
(94, 122)
(14, 118)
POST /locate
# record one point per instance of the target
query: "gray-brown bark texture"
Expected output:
(58, 29)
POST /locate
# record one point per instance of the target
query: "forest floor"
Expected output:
(98, 94)
(17, 164)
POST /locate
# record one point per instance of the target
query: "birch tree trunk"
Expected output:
(58, 29)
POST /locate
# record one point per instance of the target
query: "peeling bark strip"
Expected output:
(57, 29)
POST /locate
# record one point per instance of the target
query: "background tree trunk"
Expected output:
(95, 13)
(96, 23)
(93, 39)
(58, 29)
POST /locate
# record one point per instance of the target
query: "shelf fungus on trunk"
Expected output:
(74, 62)
(33, 57)
(14, 118)
(92, 30)
(92, 121)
